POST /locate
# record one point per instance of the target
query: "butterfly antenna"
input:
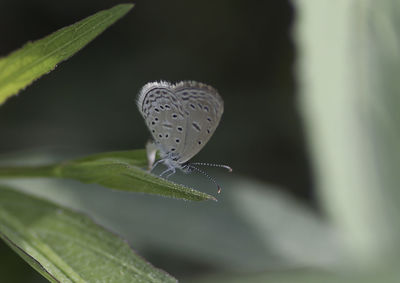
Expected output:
(213, 165)
(208, 176)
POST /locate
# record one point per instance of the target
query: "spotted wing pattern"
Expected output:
(180, 117)
(203, 108)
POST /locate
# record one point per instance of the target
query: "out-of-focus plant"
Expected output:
(349, 60)
(65, 246)
(349, 96)
(347, 68)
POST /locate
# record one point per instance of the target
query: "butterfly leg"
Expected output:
(155, 164)
(172, 173)
(166, 171)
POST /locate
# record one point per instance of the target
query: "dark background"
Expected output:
(87, 104)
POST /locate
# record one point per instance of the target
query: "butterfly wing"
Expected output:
(202, 109)
(162, 110)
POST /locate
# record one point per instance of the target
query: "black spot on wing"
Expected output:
(196, 126)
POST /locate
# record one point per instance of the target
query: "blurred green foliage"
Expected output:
(349, 53)
(65, 246)
(347, 64)
(119, 170)
(35, 59)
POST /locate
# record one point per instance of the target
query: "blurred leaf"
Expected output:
(286, 276)
(65, 246)
(302, 276)
(22, 67)
(274, 229)
(121, 170)
(348, 72)
(290, 228)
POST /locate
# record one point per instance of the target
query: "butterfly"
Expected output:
(181, 117)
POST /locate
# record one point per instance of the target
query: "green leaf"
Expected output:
(66, 246)
(348, 72)
(123, 170)
(274, 229)
(22, 67)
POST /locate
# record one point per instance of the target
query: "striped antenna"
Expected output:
(212, 165)
(205, 174)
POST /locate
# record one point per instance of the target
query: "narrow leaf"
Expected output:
(66, 246)
(22, 67)
(123, 170)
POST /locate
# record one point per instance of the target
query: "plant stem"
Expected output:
(27, 172)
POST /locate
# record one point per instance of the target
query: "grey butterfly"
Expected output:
(181, 118)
